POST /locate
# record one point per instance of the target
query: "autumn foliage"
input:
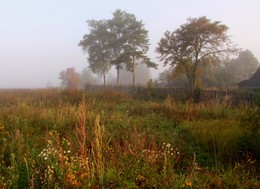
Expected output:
(70, 78)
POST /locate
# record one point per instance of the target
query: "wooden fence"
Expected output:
(234, 97)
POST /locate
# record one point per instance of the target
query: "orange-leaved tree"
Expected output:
(70, 78)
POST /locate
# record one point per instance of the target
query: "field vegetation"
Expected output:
(74, 139)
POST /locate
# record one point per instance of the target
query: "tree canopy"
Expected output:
(118, 26)
(70, 78)
(97, 45)
(244, 66)
(197, 42)
(121, 41)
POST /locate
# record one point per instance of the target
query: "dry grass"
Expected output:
(69, 139)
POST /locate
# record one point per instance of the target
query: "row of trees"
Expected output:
(72, 79)
(219, 76)
(121, 42)
(196, 52)
(223, 75)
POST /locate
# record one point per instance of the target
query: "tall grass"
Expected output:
(71, 139)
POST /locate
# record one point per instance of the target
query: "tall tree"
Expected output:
(121, 41)
(70, 78)
(137, 46)
(130, 42)
(118, 28)
(97, 45)
(197, 42)
(244, 66)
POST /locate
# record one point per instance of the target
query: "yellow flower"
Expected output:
(188, 183)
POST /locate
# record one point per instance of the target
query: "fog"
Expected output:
(39, 39)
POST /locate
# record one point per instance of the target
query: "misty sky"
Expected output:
(38, 39)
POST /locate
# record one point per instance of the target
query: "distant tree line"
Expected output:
(197, 53)
(218, 76)
(71, 79)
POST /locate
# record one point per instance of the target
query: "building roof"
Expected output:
(242, 83)
(254, 81)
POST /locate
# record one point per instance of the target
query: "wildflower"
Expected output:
(188, 183)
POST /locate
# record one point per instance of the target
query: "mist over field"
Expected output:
(40, 39)
(124, 94)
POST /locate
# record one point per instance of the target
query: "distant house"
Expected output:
(252, 83)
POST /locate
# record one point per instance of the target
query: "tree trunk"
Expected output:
(104, 79)
(191, 83)
(117, 78)
(133, 71)
(193, 88)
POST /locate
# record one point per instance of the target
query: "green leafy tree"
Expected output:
(136, 47)
(97, 45)
(118, 26)
(121, 41)
(130, 43)
(197, 42)
(244, 66)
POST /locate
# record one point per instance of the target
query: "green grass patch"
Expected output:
(72, 139)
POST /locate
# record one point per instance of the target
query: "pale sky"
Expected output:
(39, 38)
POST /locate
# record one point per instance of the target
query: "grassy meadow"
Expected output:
(71, 139)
